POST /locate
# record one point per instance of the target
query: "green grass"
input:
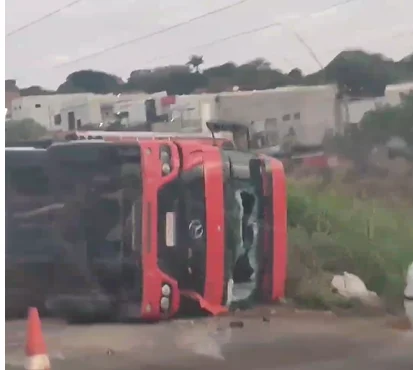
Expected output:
(331, 233)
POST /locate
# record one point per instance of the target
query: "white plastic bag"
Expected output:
(408, 293)
(351, 286)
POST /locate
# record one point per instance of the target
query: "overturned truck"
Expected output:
(146, 229)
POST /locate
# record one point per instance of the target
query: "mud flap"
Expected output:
(212, 309)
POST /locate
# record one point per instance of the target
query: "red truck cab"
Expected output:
(162, 220)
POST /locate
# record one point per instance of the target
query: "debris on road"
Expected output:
(352, 287)
(236, 324)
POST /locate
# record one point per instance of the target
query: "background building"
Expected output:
(309, 112)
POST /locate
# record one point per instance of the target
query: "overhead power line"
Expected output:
(308, 47)
(220, 40)
(259, 29)
(42, 18)
(170, 28)
(249, 32)
(152, 34)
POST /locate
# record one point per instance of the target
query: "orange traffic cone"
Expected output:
(36, 355)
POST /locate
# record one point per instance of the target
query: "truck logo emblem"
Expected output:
(196, 230)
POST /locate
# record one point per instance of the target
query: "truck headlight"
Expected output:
(166, 290)
(165, 156)
(164, 304)
(166, 169)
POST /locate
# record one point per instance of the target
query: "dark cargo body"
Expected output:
(31, 248)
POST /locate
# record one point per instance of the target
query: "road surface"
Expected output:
(300, 341)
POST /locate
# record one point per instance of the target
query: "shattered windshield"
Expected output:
(242, 218)
(245, 218)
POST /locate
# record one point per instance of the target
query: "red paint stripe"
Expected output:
(280, 229)
(214, 195)
(153, 278)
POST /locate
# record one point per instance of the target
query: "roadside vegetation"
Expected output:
(360, 224)
(330, 234)
(26, 129)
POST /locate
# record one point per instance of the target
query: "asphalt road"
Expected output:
(297, 341)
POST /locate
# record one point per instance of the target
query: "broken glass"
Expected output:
(244, 211)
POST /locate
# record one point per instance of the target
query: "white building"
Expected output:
(133, 107)
(394, 93)
(42, 108)
(309, 110)
(80, 111)
(187, 111)
(353, 111)
(72, 111)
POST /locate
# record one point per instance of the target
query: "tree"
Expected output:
(35, 90)
(195, 61)
(386, 126)
(259, 64)
(174, 80)
(226, 70)
(220, 78)
(296, 74)
(91, 81)
(179, 83)
(378, 126)
(358, 74)
(26, 129)
(251, 76)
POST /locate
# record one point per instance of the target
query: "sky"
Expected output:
(35, 55)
